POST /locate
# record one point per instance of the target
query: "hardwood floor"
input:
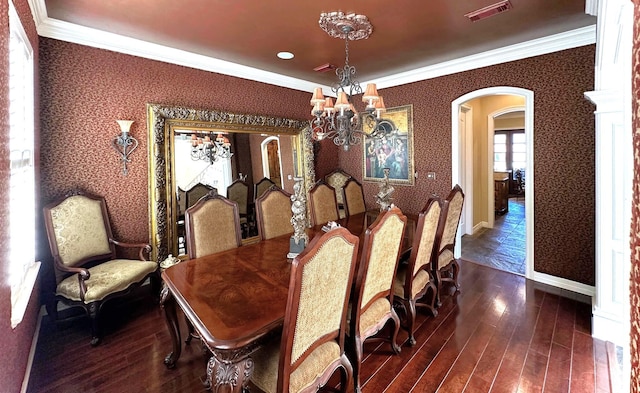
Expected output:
(501, 333)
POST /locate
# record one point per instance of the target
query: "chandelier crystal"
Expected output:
(341, 121)
(210, 149)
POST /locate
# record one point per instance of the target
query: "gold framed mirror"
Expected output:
(165, 123)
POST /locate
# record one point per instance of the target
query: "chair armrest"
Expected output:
(83, 275)
(144, 247)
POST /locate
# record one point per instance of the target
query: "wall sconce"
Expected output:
(124, 143)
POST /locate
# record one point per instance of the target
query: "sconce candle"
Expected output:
(124, 143)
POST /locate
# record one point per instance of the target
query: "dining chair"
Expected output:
(323, 203)
(445, 265)
(353, 197)
(274, 213)
(196, 192)
(372, 305)
(238, 191)
(212, 225)
(337, 179)
(261, 186)
(87, 270)
(414, 280)
(312, 344)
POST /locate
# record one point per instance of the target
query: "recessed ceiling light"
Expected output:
(285, 55)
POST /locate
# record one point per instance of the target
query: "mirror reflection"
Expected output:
(236, 165)
(249, 150)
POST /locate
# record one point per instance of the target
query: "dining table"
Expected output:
(236, 300)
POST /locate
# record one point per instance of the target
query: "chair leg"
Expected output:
(347, 375)
(394, 334)
(438, 285)
(411, 320)
(94, 311)
(357, 348)
(455, 267)
(430, 305)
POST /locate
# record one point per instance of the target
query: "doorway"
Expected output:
(473, 150)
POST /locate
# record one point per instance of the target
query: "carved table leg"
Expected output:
(168, 303)
(229, 371)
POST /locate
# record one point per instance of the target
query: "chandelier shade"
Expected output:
(341, 121)
(210, 147)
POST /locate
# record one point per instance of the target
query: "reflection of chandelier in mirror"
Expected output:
(210, 149)
(341, 121)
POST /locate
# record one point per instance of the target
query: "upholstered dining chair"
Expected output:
(238, 191)
(212, 225)
(261, 186)
(414, 279)
(87, 270)
(274, 213)
(312, 345)
(445, 266)
(337, 179)
(323, 203)
(196, 192)
(372, 305)
(353, 197)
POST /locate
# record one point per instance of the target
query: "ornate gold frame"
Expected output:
(161, 123)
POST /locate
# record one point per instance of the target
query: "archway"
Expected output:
(461, 152)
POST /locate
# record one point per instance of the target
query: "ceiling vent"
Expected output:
(325, 68)
(489, 10)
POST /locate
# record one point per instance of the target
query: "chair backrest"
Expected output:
(448, 225)
(274, 213)
(354, 197)
(324, 206)
(238, 191)
(424, 244)
(261, 186)
(212, 225)
(337, 179)
(196, 192)
(379, 261)
(315, 315)
(78, 230)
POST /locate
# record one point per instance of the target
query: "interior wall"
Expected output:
(84, 90)
(564, 150)
(634, 301)
(14, 343)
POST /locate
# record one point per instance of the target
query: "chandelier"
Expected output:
(210, 149)
(341, 121)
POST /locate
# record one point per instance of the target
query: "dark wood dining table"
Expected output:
(236, 300)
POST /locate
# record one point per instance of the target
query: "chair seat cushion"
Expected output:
(266, 359)
(420, 281)
(445, 258)
(106, 278)
(374, 314)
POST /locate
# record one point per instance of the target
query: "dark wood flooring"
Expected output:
(501, 333)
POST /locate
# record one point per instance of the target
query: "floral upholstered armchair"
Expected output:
(87, 270)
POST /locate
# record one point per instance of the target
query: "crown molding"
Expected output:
(65, 31)
(541, 46)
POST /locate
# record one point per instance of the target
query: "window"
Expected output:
(509, 150)
(23, 268)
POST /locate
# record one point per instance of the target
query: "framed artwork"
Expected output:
(394, 151)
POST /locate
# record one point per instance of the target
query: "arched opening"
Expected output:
(271, 165)
(475, 175)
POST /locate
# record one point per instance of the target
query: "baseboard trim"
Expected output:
(480, 225)
(32, 351)
(563, 283)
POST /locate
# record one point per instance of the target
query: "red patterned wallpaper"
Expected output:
(564, 148)
(634, 290)
(84, 90)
